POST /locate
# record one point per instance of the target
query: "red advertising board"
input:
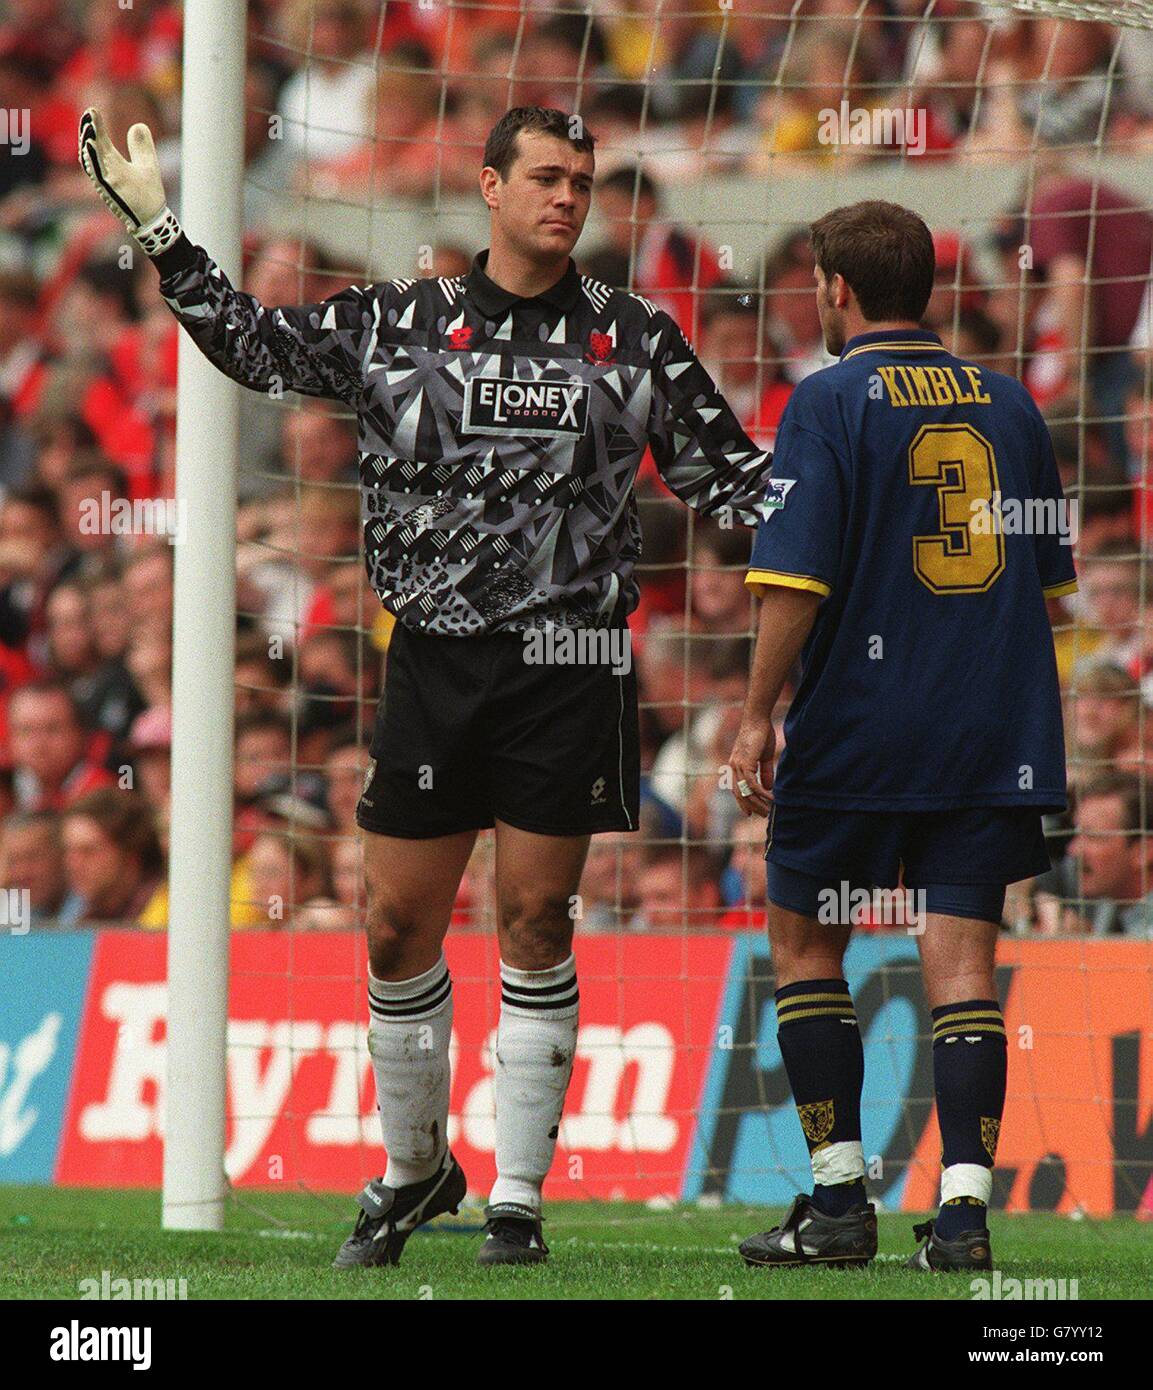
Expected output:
(300, 1089)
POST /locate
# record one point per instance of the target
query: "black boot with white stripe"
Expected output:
(512, 1236)
(970, 1250)
(389, 1215)
(808, 1237)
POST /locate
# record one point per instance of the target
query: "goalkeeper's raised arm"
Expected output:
(503, 413)
(314, 349)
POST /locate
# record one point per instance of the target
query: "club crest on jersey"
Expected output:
(600, 349)
(779, 489)
(460, 337)
(500, 405)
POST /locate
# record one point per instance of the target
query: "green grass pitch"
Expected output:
(280, 1245)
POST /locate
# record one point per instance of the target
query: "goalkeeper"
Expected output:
(502, 418)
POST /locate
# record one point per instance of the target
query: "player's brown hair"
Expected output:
(884, 253)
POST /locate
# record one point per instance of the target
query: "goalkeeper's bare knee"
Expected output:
(403, 941)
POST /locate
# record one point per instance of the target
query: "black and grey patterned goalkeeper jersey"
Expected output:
(499, 437)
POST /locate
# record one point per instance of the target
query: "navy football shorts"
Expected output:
(961, 860)
(469, 732)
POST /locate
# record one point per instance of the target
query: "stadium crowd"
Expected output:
(347, 98)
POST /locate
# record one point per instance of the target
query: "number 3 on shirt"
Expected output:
(958, 461)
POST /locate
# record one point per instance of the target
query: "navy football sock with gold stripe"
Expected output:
(970, 1056)
(821, 1047)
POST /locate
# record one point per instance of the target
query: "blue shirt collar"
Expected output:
(892, 335)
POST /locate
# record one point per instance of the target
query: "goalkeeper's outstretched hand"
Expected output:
(132, 188)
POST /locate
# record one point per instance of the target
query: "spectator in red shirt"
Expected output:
(748, 864)
(21, 357)
(25, 82)
(412, 149)
(45, 26)
(32, 555)
(344, 770)
(151, 744)
(101, 686)
(956, 287)
(672, 268)
(50, 749)
(678, 888)
(740, 356)
(794, 323)
(1097, 291)
(82, 511)
(719, 597)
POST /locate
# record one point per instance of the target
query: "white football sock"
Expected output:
(536, 1043)
(408, 1040)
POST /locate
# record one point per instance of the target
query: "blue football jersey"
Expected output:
(919, 495)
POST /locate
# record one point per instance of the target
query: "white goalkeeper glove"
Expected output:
(132, 188)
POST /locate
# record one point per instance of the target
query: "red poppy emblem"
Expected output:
(460, 337)
(600, 348)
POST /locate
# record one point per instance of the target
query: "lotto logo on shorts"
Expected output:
(370, 773)
(496, 405)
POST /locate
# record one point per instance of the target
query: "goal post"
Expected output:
(204, 628)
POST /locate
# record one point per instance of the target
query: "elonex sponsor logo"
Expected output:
(499, 405)
(580, 646)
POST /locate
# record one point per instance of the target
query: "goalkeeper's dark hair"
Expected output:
(500, 149)
(884, 253)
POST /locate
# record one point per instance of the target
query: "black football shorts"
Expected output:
(471, 730)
